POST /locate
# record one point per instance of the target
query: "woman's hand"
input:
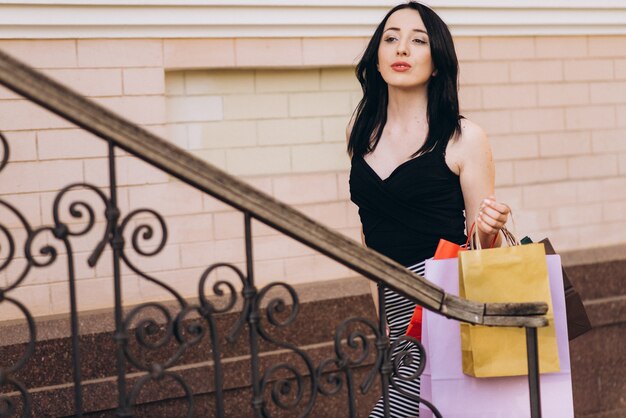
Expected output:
(492, 216)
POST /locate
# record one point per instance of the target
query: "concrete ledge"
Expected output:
(48, 372)
(103, 320)
(607, 311)
(594, 255)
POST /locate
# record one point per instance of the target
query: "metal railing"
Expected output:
(282, 386)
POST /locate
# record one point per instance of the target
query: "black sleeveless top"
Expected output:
(405, 215)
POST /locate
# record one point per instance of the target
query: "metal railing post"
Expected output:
(117, 243)
(532, 350)
(253, 319)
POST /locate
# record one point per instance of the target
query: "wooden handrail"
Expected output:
(203, 176)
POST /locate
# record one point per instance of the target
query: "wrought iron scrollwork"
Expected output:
(160, 374)
(221, 288)
(44, 256)
(46, 251)
(148, 329)
(153, 337)
(285, 394)
(157, 328)
(9, 404)
(5, 152)
(63, 232)
(76, 210)
(225, 290)
(411, 357)
(359, 345)
(144, 233)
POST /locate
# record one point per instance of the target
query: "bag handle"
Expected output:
(472, 236)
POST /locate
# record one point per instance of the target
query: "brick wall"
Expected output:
(554, 109)
(48, 153)
(262, 122)
(273, 112)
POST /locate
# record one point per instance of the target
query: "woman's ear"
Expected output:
(434, 74)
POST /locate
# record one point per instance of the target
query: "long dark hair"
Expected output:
(370, 116)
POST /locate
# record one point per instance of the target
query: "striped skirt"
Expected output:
(399, 312)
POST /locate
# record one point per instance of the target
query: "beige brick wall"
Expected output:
(545, 109)
(274, 112)
(258, 122)
(48, 153)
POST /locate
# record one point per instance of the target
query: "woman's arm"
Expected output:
(477, 174)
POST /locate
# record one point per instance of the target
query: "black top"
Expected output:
(405, 215)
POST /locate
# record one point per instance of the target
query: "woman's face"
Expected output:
(404, 58)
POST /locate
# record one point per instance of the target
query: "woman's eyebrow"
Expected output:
(414, 30)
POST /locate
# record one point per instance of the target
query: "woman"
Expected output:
(417, 164)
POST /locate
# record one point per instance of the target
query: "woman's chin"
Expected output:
(405, 81)
(406, 85)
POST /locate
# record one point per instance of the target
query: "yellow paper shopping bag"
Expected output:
(517, 273)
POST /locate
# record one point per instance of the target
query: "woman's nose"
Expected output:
(403, 49)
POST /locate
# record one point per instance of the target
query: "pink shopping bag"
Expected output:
(457, 395)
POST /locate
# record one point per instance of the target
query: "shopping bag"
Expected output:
(577, 319)
(414, 329)
(445, 249)
(516, 273)
(457, 395)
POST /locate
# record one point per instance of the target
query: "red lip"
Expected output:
(401, 66)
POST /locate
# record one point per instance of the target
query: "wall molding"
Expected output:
(71, 19)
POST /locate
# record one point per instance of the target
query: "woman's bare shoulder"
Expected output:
(472, 134)
(471, 144)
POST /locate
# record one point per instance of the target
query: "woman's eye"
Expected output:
(419, 41)
(390, 39)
